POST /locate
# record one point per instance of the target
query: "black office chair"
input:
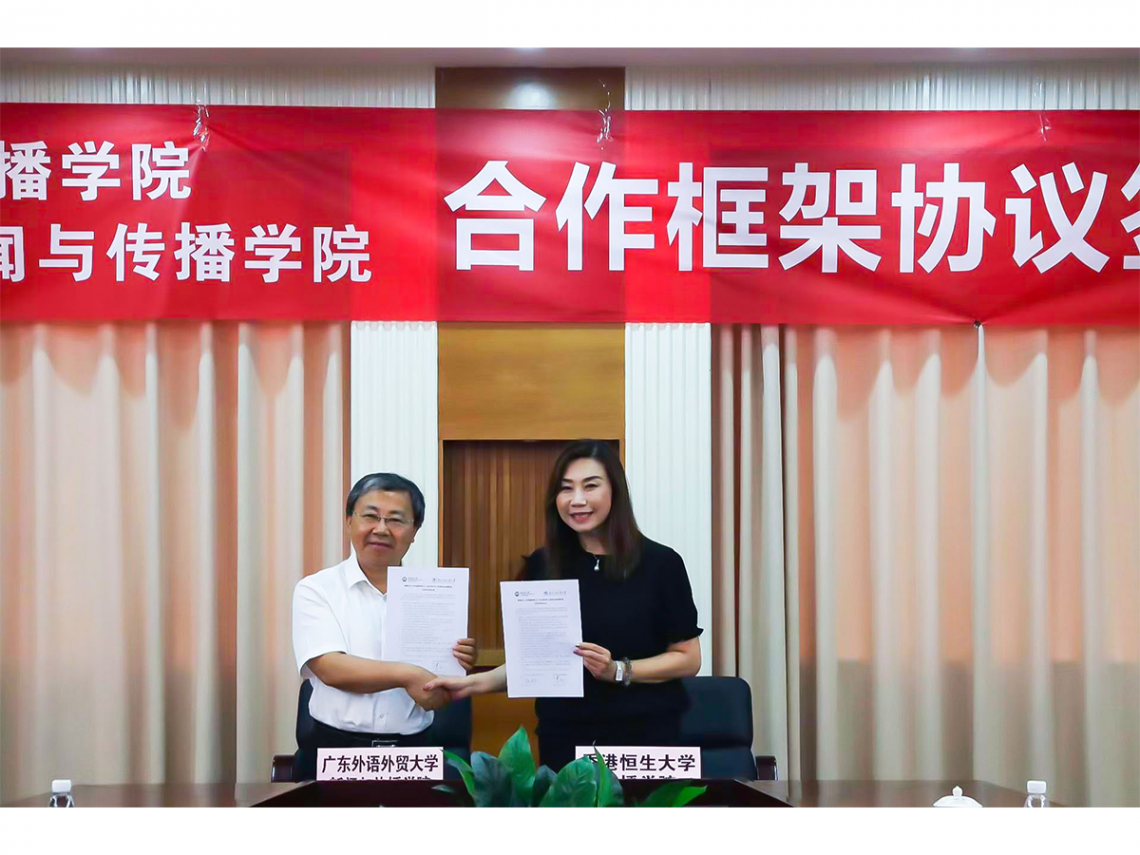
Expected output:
(719, 720)
(451, 728)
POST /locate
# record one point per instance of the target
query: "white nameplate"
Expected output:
(637, 761)
(379, 764)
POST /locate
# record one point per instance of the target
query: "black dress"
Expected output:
(633, 619)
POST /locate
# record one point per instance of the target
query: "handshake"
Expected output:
(432, 692)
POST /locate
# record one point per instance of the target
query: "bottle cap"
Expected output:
(61, 785)
(957, 800)
(1036, 788)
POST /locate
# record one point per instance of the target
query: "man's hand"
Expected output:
(466, 651)
(429, 699)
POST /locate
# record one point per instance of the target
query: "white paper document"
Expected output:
(542, 624)
(427, 614)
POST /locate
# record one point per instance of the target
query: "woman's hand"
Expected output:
(417, 686)
(462, 687)
(482, 683)
(598, 661)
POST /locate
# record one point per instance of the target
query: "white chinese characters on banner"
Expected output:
(26, 170)
(685, 216)
(1131, 223)
(165, 167)
(346, 250)
(272, 249)
(568, 214)
(208, 247)
(144, 246)
(12, 253)
(75, 257)
(518, 198)
(950, 190)
(828, 212)
(1025, 243)
(91, 165)
(830, 237)
(616, 189)
(742, 216)
(1070, 234)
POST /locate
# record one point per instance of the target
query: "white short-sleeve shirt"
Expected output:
(339, 611)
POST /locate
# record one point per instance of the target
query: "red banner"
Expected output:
(139, 212)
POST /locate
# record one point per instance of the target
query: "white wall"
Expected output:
(668, 448)
(395, 415)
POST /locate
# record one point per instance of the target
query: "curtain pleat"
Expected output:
(936, 566)
(165, 486)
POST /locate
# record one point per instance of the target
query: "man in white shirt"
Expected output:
(359, 699)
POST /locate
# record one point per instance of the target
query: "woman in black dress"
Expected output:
(637, 612)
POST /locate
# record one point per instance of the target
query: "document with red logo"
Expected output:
(542, 625)
(427, 614)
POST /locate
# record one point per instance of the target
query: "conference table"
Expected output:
(884, 793)
(721, 793)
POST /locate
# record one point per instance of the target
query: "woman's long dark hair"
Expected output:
(619, 532)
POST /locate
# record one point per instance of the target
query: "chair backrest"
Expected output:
(719, 720)
(304, 719)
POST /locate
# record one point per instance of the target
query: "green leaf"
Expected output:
(518, 762)
(673, 794)
(663, 795)
(687, 795)
(516, 799)
(492, 783)
(575, 786)
(601, 779)
(465, 771)
(609, 788)
(543, 778)
(617, 798)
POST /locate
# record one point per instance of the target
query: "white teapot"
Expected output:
(957, 800)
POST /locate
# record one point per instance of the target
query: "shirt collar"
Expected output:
(354, 576)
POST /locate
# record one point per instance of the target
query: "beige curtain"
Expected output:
(927, 560)
(164, 486)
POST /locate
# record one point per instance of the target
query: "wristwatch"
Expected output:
(619, 672)
(625, 672)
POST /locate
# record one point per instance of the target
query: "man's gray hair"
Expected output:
(389, 482)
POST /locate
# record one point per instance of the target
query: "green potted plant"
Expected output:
(511, 780)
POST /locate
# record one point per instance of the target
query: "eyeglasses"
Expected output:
(392, 523)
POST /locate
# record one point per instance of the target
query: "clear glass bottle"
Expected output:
(1036, 794)
(61, 793)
